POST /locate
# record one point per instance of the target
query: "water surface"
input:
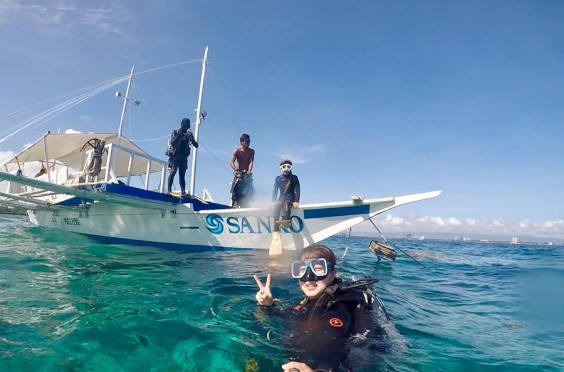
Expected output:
(70, 303)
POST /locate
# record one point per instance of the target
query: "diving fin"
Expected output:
(275, 244)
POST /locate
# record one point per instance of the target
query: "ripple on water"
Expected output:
(69, 303)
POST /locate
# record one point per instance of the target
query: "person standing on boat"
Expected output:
(332, 311)
(242, 162)
(285, 194)
(178, 152)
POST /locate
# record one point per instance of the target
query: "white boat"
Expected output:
(100, 198)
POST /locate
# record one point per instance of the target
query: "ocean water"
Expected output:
(68, 303)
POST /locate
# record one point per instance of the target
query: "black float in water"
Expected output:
(383, 250)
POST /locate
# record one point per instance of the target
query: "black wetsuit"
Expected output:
(285, 191)
(323, 326)
(242, 190)
(180, 142)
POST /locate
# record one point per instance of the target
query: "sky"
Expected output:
(370, 98)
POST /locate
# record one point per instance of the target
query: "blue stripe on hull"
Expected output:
(170, 246)
(76, 200)
(336, 212)
(122, 189)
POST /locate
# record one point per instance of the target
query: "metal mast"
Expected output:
(199, 118)
(125, 101)
(115, 165)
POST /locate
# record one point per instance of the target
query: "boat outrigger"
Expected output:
(86, 186)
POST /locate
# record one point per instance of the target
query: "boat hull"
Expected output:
(116, 212)
(186, 229)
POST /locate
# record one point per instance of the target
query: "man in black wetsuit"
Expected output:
(285, 194)
(331, 312)
(178, 152)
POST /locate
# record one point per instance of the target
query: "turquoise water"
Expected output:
(68, 303)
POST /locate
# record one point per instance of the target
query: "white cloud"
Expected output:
(69, 17)
(314, 149)
(390, 223)
(551, 226)
(7, 7)
(437, 221)
(470, 222)
(394, 220)
(498, 223)
(299, 155)
(5, 156)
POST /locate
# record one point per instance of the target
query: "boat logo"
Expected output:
(216, 224)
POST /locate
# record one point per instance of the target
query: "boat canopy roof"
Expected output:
(68, 149)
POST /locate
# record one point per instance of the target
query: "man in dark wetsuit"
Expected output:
(180, 141)
(285, 194)
(242, 184)
(330, 313)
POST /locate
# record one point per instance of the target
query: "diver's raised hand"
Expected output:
(264, 296)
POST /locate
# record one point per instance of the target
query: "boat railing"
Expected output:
(121, 164)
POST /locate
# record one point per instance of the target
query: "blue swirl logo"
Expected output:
(214, 223)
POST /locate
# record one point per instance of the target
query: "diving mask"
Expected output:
(286, 167)
(311, 270)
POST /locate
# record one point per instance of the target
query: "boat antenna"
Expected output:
(200, 115)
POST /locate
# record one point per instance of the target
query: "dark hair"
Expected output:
(244, 137)
(319, 251)
(285, 162)
(185, 120)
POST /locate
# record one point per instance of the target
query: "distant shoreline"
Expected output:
(450, 237)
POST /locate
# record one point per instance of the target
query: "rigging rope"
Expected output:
(347, 245)
(89, 92)
(57, 110)
(88, 88)
(150, 139)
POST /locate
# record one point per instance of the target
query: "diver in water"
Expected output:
(331, 312)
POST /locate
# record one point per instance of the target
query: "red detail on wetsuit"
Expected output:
(336, 322)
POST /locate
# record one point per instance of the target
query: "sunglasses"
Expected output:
(286, 167)
(319, 266)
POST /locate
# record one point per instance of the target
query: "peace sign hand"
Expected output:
(264, 296)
